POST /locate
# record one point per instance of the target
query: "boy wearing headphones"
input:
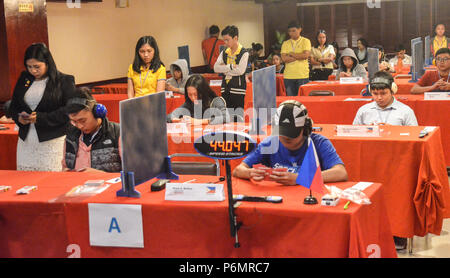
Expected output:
(436, 81)
(92, 141)
(385, 109)
(292, 128)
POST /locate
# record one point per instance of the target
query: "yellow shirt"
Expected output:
(297, 69)
(231, 57)
(145, 82)
(437, 45)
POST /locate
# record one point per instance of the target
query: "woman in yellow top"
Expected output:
(147, 74)
(322, 57)
(439, 40)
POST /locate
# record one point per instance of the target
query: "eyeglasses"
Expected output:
(76, 123)
(442, 60)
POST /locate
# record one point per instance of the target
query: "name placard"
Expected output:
(169, 94)
(116, 225)
(437, 96)
(357, 99)
(215, 83)
(351, 80)
(358, 131)
(194, 192)
(177, 128)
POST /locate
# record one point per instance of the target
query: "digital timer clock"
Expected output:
(225, 145)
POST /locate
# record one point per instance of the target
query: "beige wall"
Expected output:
(97, 42)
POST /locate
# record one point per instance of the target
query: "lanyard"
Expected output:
(440, 45)
(140, 78)
(295, 46)
(439, 76)
(387, 116)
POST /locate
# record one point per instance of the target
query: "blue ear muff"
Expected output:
(100, 111)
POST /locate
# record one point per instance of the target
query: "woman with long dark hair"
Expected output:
(201, 105)
(322, 57)
(38, 107)
(361, 51)
(147, 74)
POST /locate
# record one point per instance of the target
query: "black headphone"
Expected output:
(307, 127)
(99, 110)
(383, 81)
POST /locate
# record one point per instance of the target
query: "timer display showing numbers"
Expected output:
(225, 145)
(229, 146)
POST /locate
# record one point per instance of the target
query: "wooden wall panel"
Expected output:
(394, 23)
(21, 29)
(4, 64)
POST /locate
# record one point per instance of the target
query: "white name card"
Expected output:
(437, 96)
(215, 83)
(362, 185)
(351, 80)
(169, 94)
(358, 131)
(177, 128)
(194, 192)
(116, 225)
(357, 99)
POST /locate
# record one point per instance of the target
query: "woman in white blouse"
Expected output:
(322, 57)
(38, 109)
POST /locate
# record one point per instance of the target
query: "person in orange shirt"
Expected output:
(211, 48)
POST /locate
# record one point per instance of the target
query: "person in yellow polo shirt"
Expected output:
(147, 74)
(439, 40)
(295, 53)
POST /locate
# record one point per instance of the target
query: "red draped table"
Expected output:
(45, 223)
(411, 169)
(404, 87)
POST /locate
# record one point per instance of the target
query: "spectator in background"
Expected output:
(275, 59)
(439, 40)
(295, 53)
(383, 63)
(361, 51)
(6, 119)
(400, 59)
(38, 107)
(255, 60)
(147, 74)
(338, 55)
(349, 66)
(436, 81)
(211, 48)
(322, 57)
(233, 62)
(180, 74)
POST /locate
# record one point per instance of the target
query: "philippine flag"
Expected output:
(211, 190)
(310, 174)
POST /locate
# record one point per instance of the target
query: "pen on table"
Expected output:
(346, 205)
(190, 181)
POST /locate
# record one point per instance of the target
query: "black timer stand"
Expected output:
(234, 225)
